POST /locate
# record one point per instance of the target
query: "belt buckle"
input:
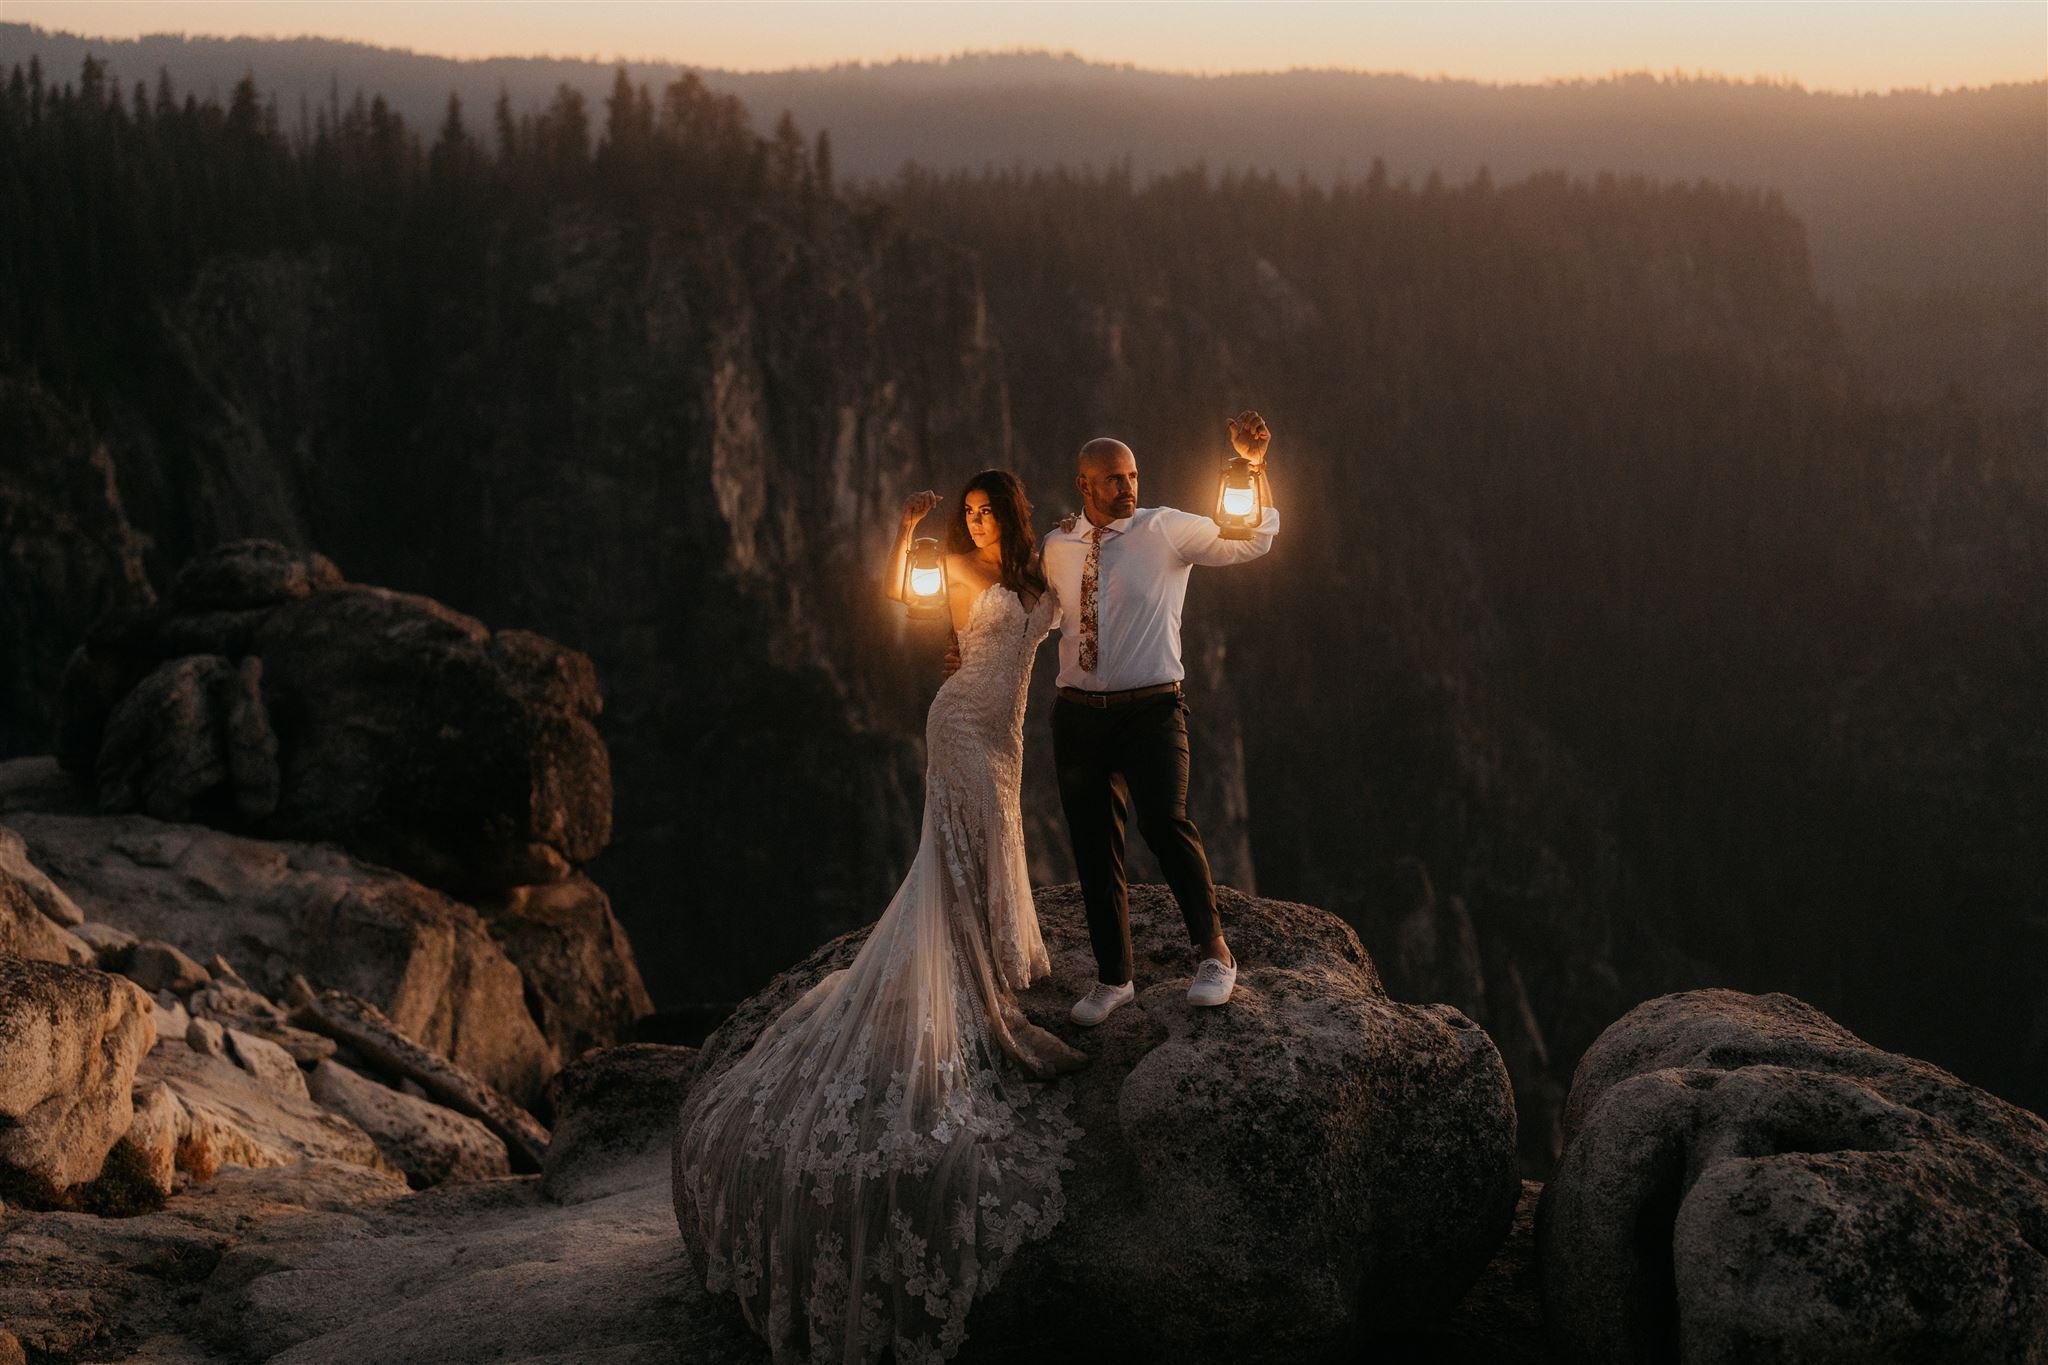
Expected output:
(1098, 700)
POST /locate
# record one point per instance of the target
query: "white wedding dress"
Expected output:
(868, 1169)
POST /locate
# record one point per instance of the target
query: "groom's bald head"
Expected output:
(1103, 453)
(1107, 476)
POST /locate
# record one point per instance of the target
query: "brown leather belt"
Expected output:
(1102, 701)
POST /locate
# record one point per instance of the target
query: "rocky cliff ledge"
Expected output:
(1286, 1178)
(1361, 1154)
(203, 976)
(267, 694)
(1743, 1181)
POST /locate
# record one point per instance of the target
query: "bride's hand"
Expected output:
(917, 504)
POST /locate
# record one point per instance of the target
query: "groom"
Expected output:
(1119, 727)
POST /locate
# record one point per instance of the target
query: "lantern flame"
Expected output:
(1237, 502)
(926, 582)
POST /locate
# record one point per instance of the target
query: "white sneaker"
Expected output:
(1094, 1007)
(1213, 982)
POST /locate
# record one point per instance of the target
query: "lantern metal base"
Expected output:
(1233, 532)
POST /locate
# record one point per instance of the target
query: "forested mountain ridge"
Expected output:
(1620, 637)
(1904, 192)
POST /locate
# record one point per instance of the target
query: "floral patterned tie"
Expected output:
(1091, 573)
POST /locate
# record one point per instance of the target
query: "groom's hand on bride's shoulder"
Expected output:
(952, 664)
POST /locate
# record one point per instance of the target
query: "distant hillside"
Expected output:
(1902, 193)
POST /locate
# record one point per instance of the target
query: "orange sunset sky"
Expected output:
(1847, 45)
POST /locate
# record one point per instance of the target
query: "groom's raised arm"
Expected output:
(1199, 540)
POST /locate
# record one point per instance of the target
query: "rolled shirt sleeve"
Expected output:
(1199, 540)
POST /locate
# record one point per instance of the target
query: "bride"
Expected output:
(868, 1169)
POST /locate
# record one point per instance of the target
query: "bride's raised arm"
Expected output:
(914, 508)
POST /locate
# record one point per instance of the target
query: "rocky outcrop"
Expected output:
(70, 1040)
(192, 736)
(582, 982)
(428, 1142)
(142, 1169)
(34, 915)
(265, 694)
(29, 888)
(1329, 1163)
(233, 1116)
(280, 909)
(267, 1062)
(615, 1119)
(362, 1027)
(156, 965)
(287, 1236)
(68, 554)
(1744, 1180)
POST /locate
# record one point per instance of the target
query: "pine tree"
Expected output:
(786, 158)
(507, 130)
(564, 132)
(821, 159)
(453, 134)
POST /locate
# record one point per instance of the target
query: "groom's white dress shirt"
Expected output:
(1141, 584)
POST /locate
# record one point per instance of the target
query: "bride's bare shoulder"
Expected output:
(961, 568)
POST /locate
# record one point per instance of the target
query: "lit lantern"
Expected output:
(1239, 509)
(924, 580)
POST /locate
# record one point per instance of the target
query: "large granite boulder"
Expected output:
(141, 1171)
(276, 909)
(30, 885)
(70, 1040)
(583, 982)
(267, 694)
(429, 1142)
(35, 917)
(1286, 1178)
(232, 1116)
(192, 738)
(615, 1119)
(1744, 1180)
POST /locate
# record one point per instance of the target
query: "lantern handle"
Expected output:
(914, 510)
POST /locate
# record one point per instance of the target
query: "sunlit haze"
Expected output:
(1839, 46)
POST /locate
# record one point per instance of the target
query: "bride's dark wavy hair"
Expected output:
(1013, 514)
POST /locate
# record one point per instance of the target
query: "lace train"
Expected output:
(867, 1169)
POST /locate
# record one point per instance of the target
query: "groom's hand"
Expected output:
(1249, 435)
(952, 664)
